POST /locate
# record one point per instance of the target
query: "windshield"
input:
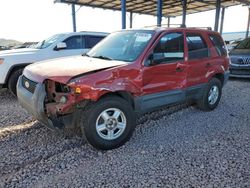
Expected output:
(122, 46)
(46, 43)
(245, 44)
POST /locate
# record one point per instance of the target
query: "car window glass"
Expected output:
(122, 45)
(74, 42)
(197, 47)
(91, 41)
(245, 44)
(218, 44)
(170, 48)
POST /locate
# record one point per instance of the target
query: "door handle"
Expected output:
(179, 69)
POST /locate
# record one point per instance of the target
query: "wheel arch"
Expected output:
(220, 77)
(122, 94)
(14, 68)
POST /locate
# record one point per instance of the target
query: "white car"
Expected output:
(12, 62)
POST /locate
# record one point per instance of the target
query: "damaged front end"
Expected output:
(52, 103)
(62, 103)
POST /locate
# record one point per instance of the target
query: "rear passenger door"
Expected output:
(199, 59)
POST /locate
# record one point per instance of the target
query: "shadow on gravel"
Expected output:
(240, 79)
(28, 144)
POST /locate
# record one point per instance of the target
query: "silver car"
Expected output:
(240, 60)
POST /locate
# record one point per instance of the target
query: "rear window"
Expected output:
(197, 47)
(91, 41)
(218, 44)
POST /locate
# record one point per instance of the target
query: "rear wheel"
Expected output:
(12, 82)
(108, 123)
(211, 95)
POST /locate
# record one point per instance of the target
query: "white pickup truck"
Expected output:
(12, 62)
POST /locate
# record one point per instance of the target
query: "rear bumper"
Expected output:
(240, 71)
(34, 102)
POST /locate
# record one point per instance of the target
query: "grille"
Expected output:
(28, 84)
(243, 61)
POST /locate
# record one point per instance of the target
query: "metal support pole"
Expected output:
(123, 9)
(217, 15)
(248, 22)
(184, 12)
(222, 19)
(131, 20)
(168, 21)
(73, 17)
(159, 12)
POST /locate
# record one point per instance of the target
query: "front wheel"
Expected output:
(12, 82)
(211, 95)
(108, 123)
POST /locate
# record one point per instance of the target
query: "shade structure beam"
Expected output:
(123, 10)
(159, 12)
(217, 15)
(73, 17)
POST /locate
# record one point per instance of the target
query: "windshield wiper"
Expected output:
(102, 57)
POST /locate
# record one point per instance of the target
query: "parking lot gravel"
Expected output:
(179, 146)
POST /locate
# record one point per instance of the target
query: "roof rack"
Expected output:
(178, 25)
(166, 25)
(207, 28)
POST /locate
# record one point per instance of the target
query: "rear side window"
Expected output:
(74, 42)
(91, 41)
(218, 44)
(197, 47)
(170, 48)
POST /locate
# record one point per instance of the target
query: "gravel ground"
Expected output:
(174, 147)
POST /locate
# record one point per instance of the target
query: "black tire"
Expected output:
(93, 112)
(12, 82)
(204, 103)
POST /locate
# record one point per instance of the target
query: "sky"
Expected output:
(35, 20)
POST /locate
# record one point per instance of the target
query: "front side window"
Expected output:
(74, 42)
(46, 43)
(122, 46)
(197, 47)
(218, 44)
(170, 48)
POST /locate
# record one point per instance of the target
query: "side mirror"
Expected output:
(153, 59)
(61, 46)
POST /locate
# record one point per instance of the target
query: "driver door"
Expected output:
(165, 72)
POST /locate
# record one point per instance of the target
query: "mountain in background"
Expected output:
(9, 42)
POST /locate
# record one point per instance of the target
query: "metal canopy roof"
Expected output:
(170, 8)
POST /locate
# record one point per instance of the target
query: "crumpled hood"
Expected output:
(63, 69)
(21, 51)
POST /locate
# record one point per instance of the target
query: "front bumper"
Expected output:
(239, 71)
(226, 77)
(34, 102)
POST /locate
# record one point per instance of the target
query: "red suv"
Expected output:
(130, 72)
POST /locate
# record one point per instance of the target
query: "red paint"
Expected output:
(134, 78)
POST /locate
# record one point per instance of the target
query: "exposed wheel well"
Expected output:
(123, 94)
(13, 69)
(220, 77)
